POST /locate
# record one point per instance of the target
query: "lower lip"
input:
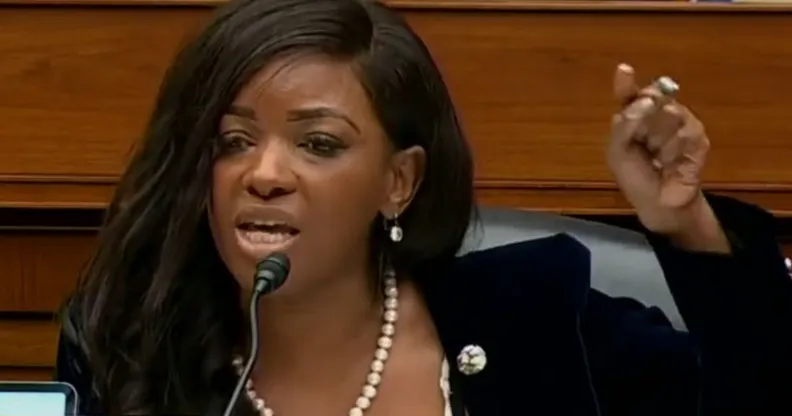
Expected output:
(259, 245)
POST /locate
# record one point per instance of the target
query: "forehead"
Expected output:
(306, 82)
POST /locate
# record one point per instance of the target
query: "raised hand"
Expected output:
(657, 152)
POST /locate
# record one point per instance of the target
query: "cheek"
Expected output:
(226, 179)
(348, 200)
(219, 207)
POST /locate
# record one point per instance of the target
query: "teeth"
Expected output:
(268, 223)
(261, 237)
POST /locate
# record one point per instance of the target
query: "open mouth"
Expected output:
(261, 238)
(267, 232)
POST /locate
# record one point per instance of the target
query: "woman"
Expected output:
(322, 129)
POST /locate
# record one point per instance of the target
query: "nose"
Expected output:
(271, 176)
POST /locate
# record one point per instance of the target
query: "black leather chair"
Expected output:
(623, 263)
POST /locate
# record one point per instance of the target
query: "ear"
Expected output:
(407, 171)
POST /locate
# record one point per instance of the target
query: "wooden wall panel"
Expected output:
(26, 373)
(28, 343)
(543, 115)
(11, 280)
(532, 86)
(75, 96)
(53, 262)
(28, 348)
(40, 268)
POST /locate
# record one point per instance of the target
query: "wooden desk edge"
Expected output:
(670, 6)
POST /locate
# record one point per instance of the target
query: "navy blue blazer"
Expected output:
(557, 347)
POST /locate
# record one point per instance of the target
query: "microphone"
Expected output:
(271, 274)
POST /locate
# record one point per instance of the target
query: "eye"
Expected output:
(322, 144)
(235, 141)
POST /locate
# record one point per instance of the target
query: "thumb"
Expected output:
(625, 88)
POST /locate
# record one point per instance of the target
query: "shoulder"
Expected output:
(550, 272)
(558, 260)
(559, 253)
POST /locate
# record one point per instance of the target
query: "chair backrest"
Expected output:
(623, 263)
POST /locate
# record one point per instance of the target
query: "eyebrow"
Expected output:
(320, 112)
(296, 115)
(241, 111)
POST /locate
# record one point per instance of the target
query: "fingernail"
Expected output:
(626, 68)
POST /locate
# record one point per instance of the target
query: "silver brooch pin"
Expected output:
(471, 360)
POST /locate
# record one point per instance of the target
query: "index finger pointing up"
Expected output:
(625, 88)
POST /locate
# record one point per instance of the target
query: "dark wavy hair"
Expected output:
(157, 315)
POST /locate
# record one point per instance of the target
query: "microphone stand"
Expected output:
(260, 287)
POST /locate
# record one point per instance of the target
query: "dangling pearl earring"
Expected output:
(394, 230)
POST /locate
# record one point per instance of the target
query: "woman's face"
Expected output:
(304, 168)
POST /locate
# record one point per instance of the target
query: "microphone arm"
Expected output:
(271, 274)
(254, 346)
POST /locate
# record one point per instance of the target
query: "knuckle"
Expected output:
(705, 143)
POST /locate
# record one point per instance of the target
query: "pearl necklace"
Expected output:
(389, 317)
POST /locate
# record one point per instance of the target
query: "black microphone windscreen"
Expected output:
(274, 269)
